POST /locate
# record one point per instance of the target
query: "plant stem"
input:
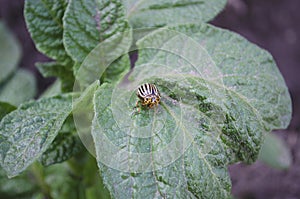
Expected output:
(37, 171)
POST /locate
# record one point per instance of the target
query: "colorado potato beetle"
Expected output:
(148, 94)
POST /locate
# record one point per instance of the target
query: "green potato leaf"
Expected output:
(275, 153)
(108, 62)
(158, 166)
(10, 53)
(64, 146)
(5, 108)
(219, 95)
(19, 187)
(53, 90)
(20, 87)
(28, 131)
(145, 14)
(89, 22)
(44, 22)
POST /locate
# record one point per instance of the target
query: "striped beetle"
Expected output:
(148, 94)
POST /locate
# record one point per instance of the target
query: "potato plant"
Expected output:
(84, 137)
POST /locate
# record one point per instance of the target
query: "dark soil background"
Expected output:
(273, 25)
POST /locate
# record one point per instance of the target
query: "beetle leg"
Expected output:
(137, 106)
